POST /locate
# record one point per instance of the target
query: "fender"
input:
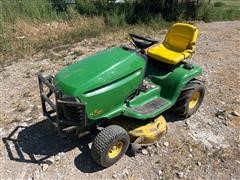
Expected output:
(173, 82)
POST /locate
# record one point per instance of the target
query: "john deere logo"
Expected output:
(96, 112)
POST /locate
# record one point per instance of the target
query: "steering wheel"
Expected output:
(141, 42)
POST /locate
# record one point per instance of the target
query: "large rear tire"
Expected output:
(190, 99)
(110, 145)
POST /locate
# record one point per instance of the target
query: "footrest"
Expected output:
(150, 107)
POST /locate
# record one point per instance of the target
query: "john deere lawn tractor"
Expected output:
(121, 92)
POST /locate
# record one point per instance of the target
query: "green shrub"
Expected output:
(205, 12)
(115, 19)
(86, 7)
(59, 5)
(71, 12)
(219, 4)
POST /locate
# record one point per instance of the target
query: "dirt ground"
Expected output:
(204, 146)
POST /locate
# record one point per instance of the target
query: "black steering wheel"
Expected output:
(141, 42)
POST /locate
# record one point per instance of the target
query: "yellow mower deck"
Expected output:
(146, 134)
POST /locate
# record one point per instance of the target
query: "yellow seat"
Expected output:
(179, 44)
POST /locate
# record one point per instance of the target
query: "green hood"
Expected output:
(98, 70)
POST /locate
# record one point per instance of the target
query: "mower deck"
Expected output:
(143, 133)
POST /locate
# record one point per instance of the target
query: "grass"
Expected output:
(14, 15)
(27, 27)
(229, 3)
(219, 4)
(27, 43)
(28, 38)
(12, 11)
(219, 11)
(226, 6)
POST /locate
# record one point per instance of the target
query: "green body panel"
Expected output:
(173, 82)
(143, 97)
(103, 81)
(98, 70)
(109, 100)
(169, 88)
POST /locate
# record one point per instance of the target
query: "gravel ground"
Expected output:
(204, 146)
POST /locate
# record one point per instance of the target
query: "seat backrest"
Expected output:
(181, 36)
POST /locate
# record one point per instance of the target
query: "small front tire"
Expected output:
(110, 145)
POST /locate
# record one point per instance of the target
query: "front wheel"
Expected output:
(110, 145)
(190, 99)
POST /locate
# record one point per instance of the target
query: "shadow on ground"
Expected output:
(171, 117)
(37, 142)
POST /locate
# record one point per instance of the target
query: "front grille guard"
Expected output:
(55, 113)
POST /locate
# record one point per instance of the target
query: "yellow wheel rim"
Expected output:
(115, 150)
(194, 100)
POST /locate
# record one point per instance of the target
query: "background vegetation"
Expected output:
(27, 26)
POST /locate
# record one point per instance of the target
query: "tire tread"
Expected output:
(102, 141)
(181, 106)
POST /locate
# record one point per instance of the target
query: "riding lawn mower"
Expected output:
(119, 94)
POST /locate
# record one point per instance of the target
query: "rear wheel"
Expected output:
(190, 99)
(110, 145)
